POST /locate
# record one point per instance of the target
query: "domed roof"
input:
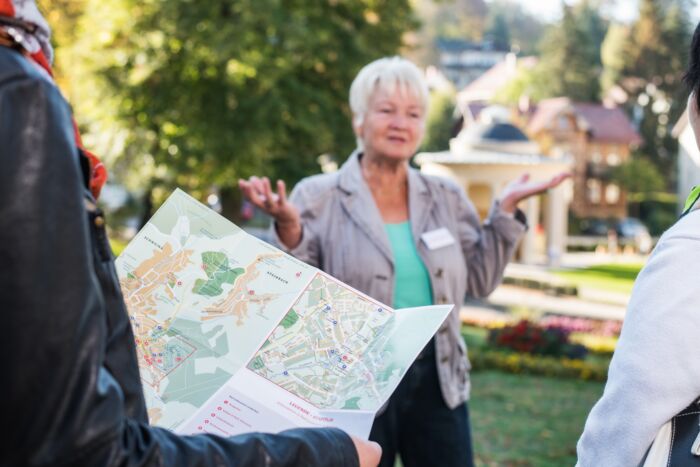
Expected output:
(503, 132)
(502, 137)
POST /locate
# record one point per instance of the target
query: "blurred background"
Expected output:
(197, 94)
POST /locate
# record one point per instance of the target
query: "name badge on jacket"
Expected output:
(437, 238)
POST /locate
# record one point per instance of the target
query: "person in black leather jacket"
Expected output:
(70, 392)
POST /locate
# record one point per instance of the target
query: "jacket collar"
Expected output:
(360, 205)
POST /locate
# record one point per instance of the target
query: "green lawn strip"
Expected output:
(475, 337)
(525, 420)
(609, 277)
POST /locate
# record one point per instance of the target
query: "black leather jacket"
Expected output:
(70, 392)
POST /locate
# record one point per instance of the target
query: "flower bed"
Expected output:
(532, 338)
(485, 356)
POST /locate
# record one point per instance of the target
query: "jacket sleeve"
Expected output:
(655, 371)
(60, 403)
(489, 247)
(309, 248)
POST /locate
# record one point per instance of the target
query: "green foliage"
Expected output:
(638, 176)
(570, 62)
(659, 215)
(595, 28)
(63, 16)
(440, 122)
(614, 54)
(484, 356)
(198, 94)
(570, 57)
(525, 363)
(509, 22)
(505, 22)
(618, 278)
(651, 59)
(527, 82)
(498, 31)
(456, 19)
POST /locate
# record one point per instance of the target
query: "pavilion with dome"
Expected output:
(484, 157)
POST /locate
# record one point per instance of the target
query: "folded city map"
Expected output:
(233, 335)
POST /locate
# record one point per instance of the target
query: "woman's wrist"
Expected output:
(507, 206)
(289, 232)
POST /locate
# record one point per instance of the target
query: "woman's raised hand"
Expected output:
(522, 188)
(259, 192)
(288, 223)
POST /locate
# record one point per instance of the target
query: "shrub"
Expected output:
(524, 363)
(526, 337)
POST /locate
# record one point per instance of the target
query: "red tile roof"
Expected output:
(605, 124)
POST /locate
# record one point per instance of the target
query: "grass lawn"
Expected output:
(609, 277)
(522, 420)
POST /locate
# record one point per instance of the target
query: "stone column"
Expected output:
(556, 225)
(495, 191)
(528, 246)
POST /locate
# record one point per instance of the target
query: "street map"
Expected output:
(233, 335)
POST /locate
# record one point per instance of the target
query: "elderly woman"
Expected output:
(405, 239)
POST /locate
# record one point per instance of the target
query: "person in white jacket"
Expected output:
(655, 371)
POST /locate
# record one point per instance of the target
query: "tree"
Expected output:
(639, 178)
(198, 94)
(613, 54)
(460, 19)
(440, 122)
(528, 82)
(568, 65)
(509, 20)
(594, 27)
(451, 19)
(646, 196)
(63, 16)
(498, 31)
(651, 60)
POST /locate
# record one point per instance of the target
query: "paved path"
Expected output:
(508, 296)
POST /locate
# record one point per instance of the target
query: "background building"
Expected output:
(462, 61)
(484, 158)
(598, 138)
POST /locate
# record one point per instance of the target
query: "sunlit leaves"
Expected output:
(203, 92)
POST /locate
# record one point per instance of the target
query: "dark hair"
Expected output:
(692, 75)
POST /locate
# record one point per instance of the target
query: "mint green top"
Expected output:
(411, 280)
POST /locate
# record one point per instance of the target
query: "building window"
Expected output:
(614, 159)
(563, 122)
(612, 194)
(593, 190)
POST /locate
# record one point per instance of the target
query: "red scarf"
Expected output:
(98, 172)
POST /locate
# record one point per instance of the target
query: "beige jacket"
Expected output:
(344, 235)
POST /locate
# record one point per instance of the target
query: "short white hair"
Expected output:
(386, 74)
